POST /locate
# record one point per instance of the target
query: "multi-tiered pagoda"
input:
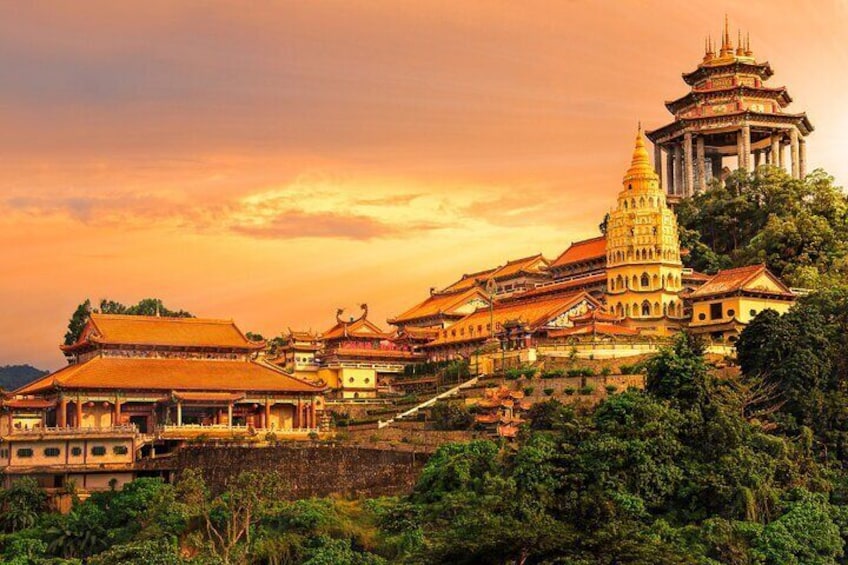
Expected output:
(727, 113)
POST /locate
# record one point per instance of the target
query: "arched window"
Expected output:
(656, 308)
(625, 204)
(646, 308)
(642, 202)
(612, 284)
(646, 281)
(635, 282)
(618, 309)
(627, 309)
(619, 282)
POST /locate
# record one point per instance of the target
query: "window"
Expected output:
(51, 452)
(4, 453)
(350, 380)
(76, 451)
(646, 308)
(120, 450)
(98, 451)
(367, 380)
(24, 452)
(646, 281)
(731, 313)
(753, 312)
(702, 316)
(715, 311)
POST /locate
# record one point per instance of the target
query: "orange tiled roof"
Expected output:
(530, 264)
(374, 353)
(209, 396)
(361, 328)
(566, 286)
(469, 280)
(127, 373)
(114, 329)
(592, 329)
(579, 251)
(28, 403)
(415, 332)
(738, 279)
(532, 312)
(439, 304)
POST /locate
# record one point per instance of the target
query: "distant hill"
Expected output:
(15, 376)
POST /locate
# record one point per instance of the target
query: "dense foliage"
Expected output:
(145, 307)
(695, 469)
(799, 228)
(16, 376)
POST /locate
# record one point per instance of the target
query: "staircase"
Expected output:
(414, 410)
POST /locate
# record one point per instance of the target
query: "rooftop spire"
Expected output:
(740, 48)
(726, 46)
(640, 163)
(748, 51)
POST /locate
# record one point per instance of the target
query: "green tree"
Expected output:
(22, 503)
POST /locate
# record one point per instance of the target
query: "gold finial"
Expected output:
(726, 47)
(748, 50)
(641, 163)
(740, 49)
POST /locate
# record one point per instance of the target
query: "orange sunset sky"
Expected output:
(272, 161)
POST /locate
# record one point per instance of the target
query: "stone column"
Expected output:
(678, 169)
(313, 414)
(702, 164)
(688, 169)
(757, 159)
(230, 414)
(62, 412)
(299, 413)
(179, 413)
(802, 157)
(746, 146)
(793, 141)
(117, 416)
(781, 158)
(658, 162)
(267, 413)
(669, 167)
(774, 156)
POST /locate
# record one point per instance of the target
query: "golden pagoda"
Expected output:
(643, 252)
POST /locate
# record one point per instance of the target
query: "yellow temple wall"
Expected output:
(100, 481)
(743, 306)
(97, 416)
(65, 448)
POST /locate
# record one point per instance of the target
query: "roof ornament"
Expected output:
(726, 46)
(364, 315)
(740, 48)
(748, 51)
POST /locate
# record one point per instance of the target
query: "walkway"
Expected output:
(414, 410)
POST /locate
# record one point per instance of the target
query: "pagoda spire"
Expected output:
(748, 51)
(640, 164)
(740, 49)
(726, 46)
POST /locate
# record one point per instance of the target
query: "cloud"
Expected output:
(297, 224)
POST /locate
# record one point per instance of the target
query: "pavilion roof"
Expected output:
(469, 280)
(580, 251)
(562, 287)
(360, 328)
(440, 304)
(532, 264)
(166, 375)
(114, 329)
(779, 93)
(753, 278)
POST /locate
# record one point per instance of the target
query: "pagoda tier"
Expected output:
(727, 113)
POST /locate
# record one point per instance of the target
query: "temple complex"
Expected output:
(136, 384)
(729, 112)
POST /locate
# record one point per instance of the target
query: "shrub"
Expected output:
(569, 390)
(581, 372)
(611, 388)
(528, 390)
(529, 372)
(512, 374)
(587, 390)
(548, 391)
(553, 374)
(451, 416)
(606, 371)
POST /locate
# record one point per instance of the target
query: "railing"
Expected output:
(225, 428)
(68, 430)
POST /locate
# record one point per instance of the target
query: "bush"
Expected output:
(548, 391)
(451, 416)
(606, 371)
(587, 390)
(553, 374)
(513, 374)
(528, 390)
(611, 388)
(569, 390)
(634, 369)
(529, 372)
(581, 372)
